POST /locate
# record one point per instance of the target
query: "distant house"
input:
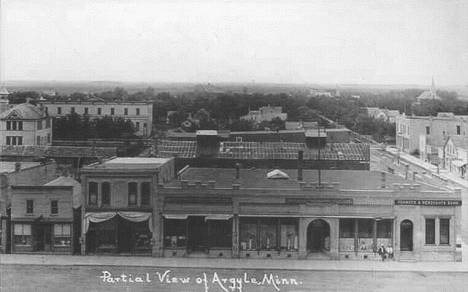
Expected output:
(25, 124)
(265, 114)
(454, 155)
(382, 114)
(319, 92)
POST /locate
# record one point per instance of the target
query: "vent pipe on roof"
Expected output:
(237, 170)
(299, 165)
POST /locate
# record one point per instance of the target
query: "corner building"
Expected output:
(347, 215)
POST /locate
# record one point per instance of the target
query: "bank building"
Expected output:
(145, 206)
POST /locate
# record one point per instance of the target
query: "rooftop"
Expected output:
(258, 179)
(68, 181)
(130, 163)
(9, 166)
(57, 151)
(24, 111)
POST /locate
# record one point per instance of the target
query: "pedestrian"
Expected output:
(382, 252)
(390, 252)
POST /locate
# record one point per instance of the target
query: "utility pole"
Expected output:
(318, 160)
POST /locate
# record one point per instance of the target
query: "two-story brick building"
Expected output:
(120, 212)
(139, 113)
(25, 124)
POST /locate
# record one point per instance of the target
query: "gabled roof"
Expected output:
(68, 181)
(24, 111)
(460, 141)
(3, 90)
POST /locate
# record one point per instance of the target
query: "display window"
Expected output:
(22, 234)
(175, 233)
(62, 235)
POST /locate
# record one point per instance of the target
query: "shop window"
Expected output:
(175, 231)
(106, 236)
(92, 193)
(22, 234)
(220, 233)
(145, 193)
(347, 228)
(444, 231)
(142, 237)
(29, 206)
(365, 228)
(268, 234)
(248, 233)
(289, 236)
(62, 235)
(384, 228)
(430, 231)
(54, 207)
(132, 193)
(105, 194)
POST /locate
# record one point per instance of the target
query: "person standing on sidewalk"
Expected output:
(381, 252)
(390, 252)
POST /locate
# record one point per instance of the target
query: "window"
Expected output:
(268, 233)
(444, 231)
(13, 126)
(125, 111)
(72, 110)
(14, 140)
(20, 140)
(62, 235)
(39, 125)
(8, 140)
(175, 231)
(59, 110)
(99, 111)
(132, 193)
(29, 206)
(347, 228)
(48, 123)
(430, 231)
(105, 193)
(137, 111)
(22, 234)
(38, 140)
(384, 228)
(365, 228)
(238, 139)
(46, 110)
(112, 111)
(92, 193)
(458, 130)
(145, 193)
(220, 233)
(248, 233)
(428, 130)
(48, 138)
(8, 125)
(86, 111)
(54, 207)
(137, 126)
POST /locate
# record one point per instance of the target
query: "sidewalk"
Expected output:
(243, 264)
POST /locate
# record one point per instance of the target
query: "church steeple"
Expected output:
(433, 90)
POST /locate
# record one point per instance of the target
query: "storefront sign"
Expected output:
(238, 282)
(442, 203)
(309, 201)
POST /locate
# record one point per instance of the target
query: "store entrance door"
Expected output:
(318, 236)
(406, 235)
(43, 238)
(125, 236)
(197, 233)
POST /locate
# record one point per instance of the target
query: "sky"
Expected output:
(321, 41)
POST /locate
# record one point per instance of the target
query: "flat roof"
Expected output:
(9, 166)
(130, 163)
(257, 178)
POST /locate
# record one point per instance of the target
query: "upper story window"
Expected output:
(92, 193)
(59, 110)
(99, 111)
(137, 111)
(29, 206)
(72, 110)
(132, 193)
(86, 110)
(145, 193)
(48, 122)
(54, 207)
(112, 111)
(458, 130)
(105, 193)
(125, 111)
(428, 130)
(14, 126)
(430, 231)
(39, 125)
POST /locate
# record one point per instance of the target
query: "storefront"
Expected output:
(118, 233)
(42, 237)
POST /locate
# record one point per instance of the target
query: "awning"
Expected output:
(176, 216)
(98, 217)
(218, 217)
(459, 163)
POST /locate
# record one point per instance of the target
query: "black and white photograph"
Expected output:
(234, 145)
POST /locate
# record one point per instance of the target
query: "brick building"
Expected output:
(140, 113)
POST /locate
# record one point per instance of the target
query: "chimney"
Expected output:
(17, 166)
(300, 155)
(383, 181)
(237, 170)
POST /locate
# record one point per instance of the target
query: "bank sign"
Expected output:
(436, 203)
